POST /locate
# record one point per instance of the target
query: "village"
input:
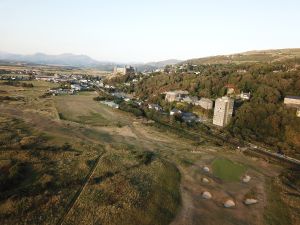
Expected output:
(216, 112)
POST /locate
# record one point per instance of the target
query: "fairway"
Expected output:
(83, 109)
(227, 170)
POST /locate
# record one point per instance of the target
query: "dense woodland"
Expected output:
(263, 118)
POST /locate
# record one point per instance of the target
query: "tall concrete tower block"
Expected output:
(223, 111)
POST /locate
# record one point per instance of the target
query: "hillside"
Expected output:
(249, 57)
(264, 118)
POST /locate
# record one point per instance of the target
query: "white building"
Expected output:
(190, 100)
(245, 96)
(76, 87)
(292, 100)
(205, 103)
(175, 112)
(172, 96)
(223, 111)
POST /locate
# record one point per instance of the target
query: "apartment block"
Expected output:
(223, 111)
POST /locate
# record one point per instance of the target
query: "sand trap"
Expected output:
(206, 195)
(205, 180)
(246, 179)
(206, 169)
(229, 203)
(250, 201)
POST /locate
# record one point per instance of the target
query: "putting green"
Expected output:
(227, 170)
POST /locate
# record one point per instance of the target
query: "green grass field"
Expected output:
(227, 170)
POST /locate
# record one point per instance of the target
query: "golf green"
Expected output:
(227, 170)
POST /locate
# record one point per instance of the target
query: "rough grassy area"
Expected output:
(144, 175)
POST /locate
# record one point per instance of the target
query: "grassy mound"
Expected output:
(227, 170)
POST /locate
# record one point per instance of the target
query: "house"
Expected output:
(76, 87)
(155, 107)
(245, 96)
(175, 112)
(292, 101)
(190, 100)
(205, 103)
(172, 96)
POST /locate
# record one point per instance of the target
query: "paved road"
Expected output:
(255, 148)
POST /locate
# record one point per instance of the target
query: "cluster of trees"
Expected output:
(264, 117)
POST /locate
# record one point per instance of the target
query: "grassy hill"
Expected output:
(248, 57)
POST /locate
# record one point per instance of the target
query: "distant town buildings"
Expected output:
(223, 111)
(172, 96)
(205, 103)
(126, 70)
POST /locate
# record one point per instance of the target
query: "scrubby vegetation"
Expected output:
(131, 187)
(17, 84)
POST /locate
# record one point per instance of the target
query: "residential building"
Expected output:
(245, 96)
(292, 101)
(190, 100)
(223, 111)
(172, 96)
(76, 87)
(205, 103)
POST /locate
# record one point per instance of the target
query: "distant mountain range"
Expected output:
(78, 61)
(249, 57)
(86, 61)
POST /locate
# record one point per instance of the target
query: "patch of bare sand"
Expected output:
(122, 131)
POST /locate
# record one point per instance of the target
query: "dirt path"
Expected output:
(78, 193)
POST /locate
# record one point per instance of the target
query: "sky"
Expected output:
(144, 31)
